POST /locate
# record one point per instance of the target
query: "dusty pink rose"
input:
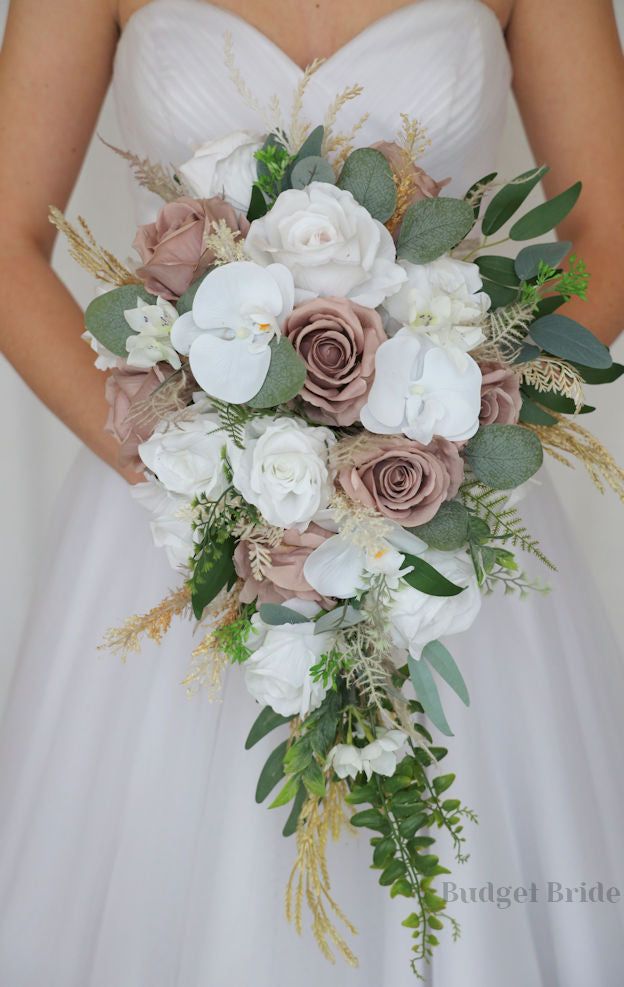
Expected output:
(283, 578)
(125, 388)
(172, 248)
(337, 340)
(403, 479)
(419, 184)
(500, 395)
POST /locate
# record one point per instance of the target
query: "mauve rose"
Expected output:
(421, 185)
(124, 389)
(337, 340)
(500, 395)
(284, 578)
(403, 479)
(172, 248)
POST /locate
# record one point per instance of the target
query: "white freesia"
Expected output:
(171, 524)
(187, 456)
(225, 166)
(151, 342)
(238, 309)
(380, 756)
(342, 567)
(277, 673)
(331, 243)
(422, 390)
(417, 618)
(105, 360)
(444, 300)
(283, 470)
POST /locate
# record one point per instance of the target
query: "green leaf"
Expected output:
(478, 530)
(532, 414)
(509, 199)
(431, 227)
(434, 902)
(312, 145)
(401, 887)
(412, 921)
(286, 376)
(370, 819)
(442, 783)
(272, 772)
(384, 852)
(267, 721)
(501, 270)
(445, 665)
(275, 615)
(526, 353)
(314, 779)
(298, 756)
(185, 301)
(547, 216)
(500, 295)
(394, 870)
(549, 304)
(361, 793)
(528, 260)
(212, 570)
(409, 826)
(428, 580)
(258, 205)
(427, 693)
(593, 376)
(504, 456)
(311, 169)
(556, 402)
(426, 863)
(368, 176)
(448, 530)
(561, 336)
(341, 617)
(290, 826)
(478, 190)
(287, 793)
(105, 320)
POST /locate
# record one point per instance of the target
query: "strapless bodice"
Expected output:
(443, 62)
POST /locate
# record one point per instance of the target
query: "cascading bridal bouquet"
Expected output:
(333, 392)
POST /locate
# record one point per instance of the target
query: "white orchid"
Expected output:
(444, 300)
(238, 309)
(422, 389)
(151, 343)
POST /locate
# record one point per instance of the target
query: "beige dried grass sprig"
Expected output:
(126, 640)
(83, 248)
(153, 177)
(549, 374)
(568, 438)
(209, 661)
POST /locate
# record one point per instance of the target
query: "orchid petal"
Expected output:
(227, 369)
(335, 568)
(184, 332)
(227, 289)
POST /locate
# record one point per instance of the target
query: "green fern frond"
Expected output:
(504, 521)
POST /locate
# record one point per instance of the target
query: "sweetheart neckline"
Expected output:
(339, 52)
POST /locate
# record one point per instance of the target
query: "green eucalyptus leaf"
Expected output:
(475, 193)
(547, 216)
(267, 721)
(286, 793)
(593, 376)
(212, 570)
(445, 665)
(556, 402)
(501, 270)
(528, 260)
(286, 376)
(431, 227)
(427, 694)
(563, 337)
(311, 169)
(448, 529)
(504, 456)
(368, 176)
(532, 414)
(275, 614)
(509, 199)
(258, 205)
(427, 579)
(185, 301)
(105, 320)
(290, 827)
(272, 772)
(500, 295)
(312, 145)
(526, 353)
(549, 304)
(341, 617)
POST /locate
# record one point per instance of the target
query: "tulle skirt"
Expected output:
(132, 853)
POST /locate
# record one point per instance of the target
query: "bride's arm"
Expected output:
(569, 82)
(54, 70)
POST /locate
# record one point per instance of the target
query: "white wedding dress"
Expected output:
(132, 853)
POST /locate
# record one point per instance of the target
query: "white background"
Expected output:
(37, 449)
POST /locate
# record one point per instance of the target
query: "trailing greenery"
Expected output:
(505, 523)
(232, 638)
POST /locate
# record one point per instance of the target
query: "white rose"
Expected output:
(187, 456)
(277, 673)
(150, 342)
(382, 754)
(283, 470)
(416, 618)
(330, 243)
(225, 166)
(443, 299)
(422, 390)
(171, 525)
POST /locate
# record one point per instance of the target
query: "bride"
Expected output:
(131, 851)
